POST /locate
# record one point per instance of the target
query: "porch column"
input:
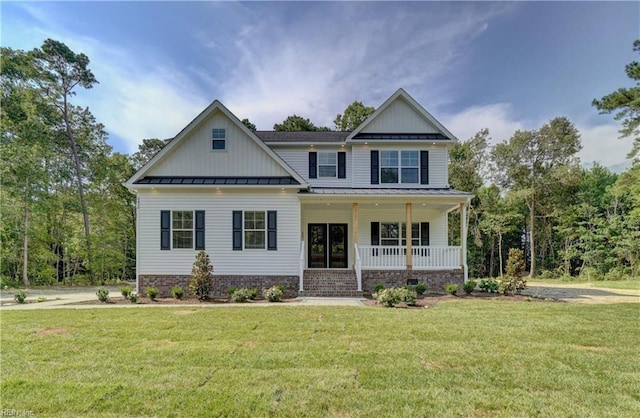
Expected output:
(463, 240)
(354, 223)
(408, 209)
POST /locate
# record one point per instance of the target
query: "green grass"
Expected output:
(461, 358)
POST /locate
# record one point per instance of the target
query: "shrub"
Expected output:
(42, 299)
(421, 288)
(392, 296)
(7, 282)
(377, 288)
(201, 279)
(515, 263)
(133, 297)
(103, 294)
(407, 296)
(489, 285)
(240, 295)
(126, 291)
(469, 287)
(282, 288)
(20, 296)
(615, 273)
(230, 290)
(177, 292)
(451, 288)
(152, 292)
(510, 285)
(253, 293)
(273, 294)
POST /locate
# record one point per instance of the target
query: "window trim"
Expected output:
(254, 229)
(334, 165)
(270, 230)
(192, 229)
(399, 167)
(219, 135)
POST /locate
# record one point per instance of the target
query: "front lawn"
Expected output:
(459, 358)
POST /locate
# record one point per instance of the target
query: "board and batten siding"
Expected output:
(194, 156)
(218, 207)
(438, 165)
(297, 157)
(399, 117)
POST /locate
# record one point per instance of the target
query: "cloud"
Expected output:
(601, 144)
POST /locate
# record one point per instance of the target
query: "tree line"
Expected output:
(66, 218)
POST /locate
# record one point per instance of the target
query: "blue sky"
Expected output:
(504, 66)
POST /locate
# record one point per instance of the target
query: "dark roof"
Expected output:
(302, 136)
(416, 136)
(196, 181)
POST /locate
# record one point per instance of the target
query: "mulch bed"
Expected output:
(174, 301)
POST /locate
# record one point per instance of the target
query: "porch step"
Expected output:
(330, 283)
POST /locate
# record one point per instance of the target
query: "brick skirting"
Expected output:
(434, 279)
(221, 283)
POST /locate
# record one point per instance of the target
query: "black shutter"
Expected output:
(272, 230)
(424, 234)
(342, 165)
(200, 230)
(237, 230)
(375, 168)
(424, 167)
(165, 230)
(313, 165)
(375, 233)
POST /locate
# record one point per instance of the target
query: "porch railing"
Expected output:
(423, 258)
(358, 268)
(301, 267)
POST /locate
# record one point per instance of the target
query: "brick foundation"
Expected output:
(164, 283)
(434, 279)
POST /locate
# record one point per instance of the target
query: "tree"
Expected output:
(626, 102)
(201, 276)
(146, 151)
(62, 70)
(526, 165)
(353, 116)
(246, 122)
(297, 123)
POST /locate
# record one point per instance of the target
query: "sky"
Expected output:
(473, 65)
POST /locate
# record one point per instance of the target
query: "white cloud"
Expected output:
(496, 117)
(601, 144)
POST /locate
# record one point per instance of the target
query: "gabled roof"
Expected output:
(215, 105)
(301, 136)
(400, 94)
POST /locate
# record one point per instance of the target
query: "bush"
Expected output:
(20, 296)
(7, 283)
(152, 292)
(80, 280)
(377, 288)
(46, 276)
(489, 285)
(201, 279)
(42, 299)
(177, 292)
(103, 294)
(615, 273)
(515, 263)
(126, 291)
(510, 285)
(451, 288)
(392, 296)
(240, 295)
(133, 297)
(253, 293)
(273, 294)
(469, 287)
(421, 288)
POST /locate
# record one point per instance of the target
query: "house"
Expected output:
(322, 213)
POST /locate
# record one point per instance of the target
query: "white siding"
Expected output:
(438, 165)
(218, 230)
(194, 156)
(297, 157)
(399, 117)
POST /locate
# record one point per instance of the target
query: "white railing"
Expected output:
(395, 258)
(301, 266)
(358, 268)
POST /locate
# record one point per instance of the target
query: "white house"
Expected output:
(323, 213)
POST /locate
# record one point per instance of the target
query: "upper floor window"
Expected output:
(219, 139)
(327, 164)
(399, 166)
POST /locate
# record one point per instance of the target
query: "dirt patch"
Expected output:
(43, 332)
(174, 301)
(185, 312)
(591, 348)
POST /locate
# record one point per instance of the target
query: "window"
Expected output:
(415, 234)
(389, 166)
(219, 139)
(182, 229)
(399, 167)
(327, 164)
(254, 230)
(395, 233)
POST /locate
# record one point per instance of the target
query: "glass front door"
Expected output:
(328, 246)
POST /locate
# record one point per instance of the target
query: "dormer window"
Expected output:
(219, 140)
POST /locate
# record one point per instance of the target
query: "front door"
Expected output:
(327, 246)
